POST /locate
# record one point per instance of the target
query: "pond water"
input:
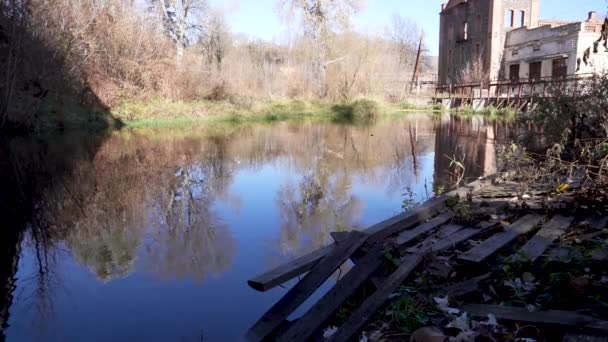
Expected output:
(152, 234)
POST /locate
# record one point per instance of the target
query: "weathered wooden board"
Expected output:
(465, 287)
(452, 240)
(285, 272)
(443, 233)
(380, 231)
(598, 222)
(552, 317)
(332, 300)
(584, 338)
(305, 287)
(426, 227)
(500, 240)
(369, 307)
(538, 244)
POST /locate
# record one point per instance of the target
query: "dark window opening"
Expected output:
(522, 18)
(514, 72)
(560, 68)
(535, 70)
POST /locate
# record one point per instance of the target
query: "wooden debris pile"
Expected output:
(475, 264)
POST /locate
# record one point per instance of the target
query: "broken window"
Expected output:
(465, 31)
(522, 18)
(510, 18)
(560, 68)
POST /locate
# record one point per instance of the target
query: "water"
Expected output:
(151, 234)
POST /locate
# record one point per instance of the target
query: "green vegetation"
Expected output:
(163, 112)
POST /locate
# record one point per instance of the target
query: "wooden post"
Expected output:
(508, 94)
(450, 90)
(417, 65)
(532, 90)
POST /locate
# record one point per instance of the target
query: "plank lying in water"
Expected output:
(369, 307)
(426, 227)
(332, 300)
(380, 231)
(550, 232)
(305, 287)
(490, 246)
(551, 317)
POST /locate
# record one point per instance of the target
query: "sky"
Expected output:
(259, 18)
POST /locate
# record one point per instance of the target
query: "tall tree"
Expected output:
(182, 21)
(320, 19)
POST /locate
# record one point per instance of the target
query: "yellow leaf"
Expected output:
(562, 187)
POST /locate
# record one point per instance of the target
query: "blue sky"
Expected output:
(259, 18)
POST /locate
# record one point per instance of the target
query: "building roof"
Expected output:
(453, 3)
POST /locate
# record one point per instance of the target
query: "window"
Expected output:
(514, 52)
(535, 70)
(465, 31)
(589, 28)
(477, 50)
(514, 72)
(522, 18)
(510, 18)
(536, 47)
(560, 68)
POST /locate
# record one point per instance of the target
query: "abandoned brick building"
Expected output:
(482, 40)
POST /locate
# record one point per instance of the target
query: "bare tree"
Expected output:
(404, 34)
(215, 41)
(182, 21)
(320, 19)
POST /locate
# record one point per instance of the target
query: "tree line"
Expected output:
(105, 51)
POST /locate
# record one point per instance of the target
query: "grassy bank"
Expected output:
(161, 112)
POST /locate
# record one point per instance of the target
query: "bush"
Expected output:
(360, 109)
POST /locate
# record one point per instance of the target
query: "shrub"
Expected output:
(360, 109)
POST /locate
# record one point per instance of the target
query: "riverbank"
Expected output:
(162, 112)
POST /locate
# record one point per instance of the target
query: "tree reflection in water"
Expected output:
(147, 200)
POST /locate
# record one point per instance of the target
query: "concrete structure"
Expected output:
(482, 40)
(555, 50)
(473, 33)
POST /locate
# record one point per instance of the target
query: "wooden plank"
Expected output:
(550, 232)
(584, 338)
(285, 272)
(443, 233)
(551, 317)
(500, 240)
(305, 287)
(369, 307)
(380, 231)
(326, 306)
(598, 222)
(426, 227)
(450, 241)
(466, 286)
(339, 236)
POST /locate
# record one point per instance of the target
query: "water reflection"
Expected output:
(192, 213)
